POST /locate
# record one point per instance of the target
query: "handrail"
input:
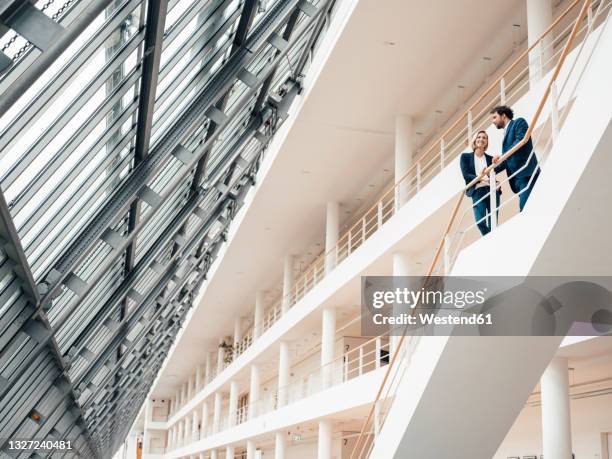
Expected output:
(392, 363)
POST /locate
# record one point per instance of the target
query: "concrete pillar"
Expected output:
(220, 356)
(208, 368)
(205, 416)
(186, 430)
(328, 335)
(237, 334)
(325, 439)
(539, 18)
(217, 412)
(233, 403)
(131, 443)
(279, 445)
(190, 387)
(259, 315)
(229, 452)
(254, 392)
(287, 282)
(283, 373)
(146, 437)
(250, 449)
(198, 379)
(185, 392)
(556, 426)
(179, 433)
(332, 228)
(214, 454)
(194, 426)
(404, 155)
(401, 267)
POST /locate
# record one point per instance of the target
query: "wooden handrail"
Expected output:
(581, 15)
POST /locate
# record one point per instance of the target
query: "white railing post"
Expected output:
(363, 230)
(360, 360)
(349, 245)
(378, 353)
(418, 175)
(502, 91)
(493, 199)
(446, 255)
(469, 126)
(376, 418)
(554, 111)
(590, 16)
(379, 215)
(442, 154)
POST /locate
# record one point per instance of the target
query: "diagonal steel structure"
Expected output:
(131, 131)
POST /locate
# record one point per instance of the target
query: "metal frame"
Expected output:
(101, 314)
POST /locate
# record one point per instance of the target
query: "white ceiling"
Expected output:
(340, 145)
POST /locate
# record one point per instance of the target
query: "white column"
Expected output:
(404, 155)
(131, 443)
(185, 391)
(254, 392)
(401, 267)
(179, 433)
(205, 416)
(208, 368)
(250, 449)
(229, 452)
(332, 227)
(556, 426)
(190, 387)
(198, 379)
(283, 373)
(237, 334)
(214, 454)
(194, 425)
(220, 357)
(146, 437)
(287, 282)
(217, 412)
(328, 335)
(325, 439)
(186, 429)
(233, 403)
(279, 445)
(259, 315)
(539, 18)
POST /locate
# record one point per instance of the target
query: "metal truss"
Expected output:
(131, 131)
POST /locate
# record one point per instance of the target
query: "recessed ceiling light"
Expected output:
(389, 43)
(371, 185)
(305, 172)
(267, 228)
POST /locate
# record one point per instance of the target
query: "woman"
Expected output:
(472, 164)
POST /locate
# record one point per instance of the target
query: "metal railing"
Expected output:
(451, 243)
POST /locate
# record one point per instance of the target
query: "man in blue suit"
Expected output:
(522, 167)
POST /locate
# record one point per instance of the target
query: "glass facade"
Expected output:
(130, 132)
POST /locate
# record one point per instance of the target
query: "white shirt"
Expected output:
(480, 163)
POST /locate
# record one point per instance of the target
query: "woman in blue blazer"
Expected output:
(472, 163)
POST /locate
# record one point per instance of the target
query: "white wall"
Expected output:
(590, 418)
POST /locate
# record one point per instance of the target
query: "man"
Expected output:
(520, 167)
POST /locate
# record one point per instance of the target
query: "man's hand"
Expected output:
(495, 159)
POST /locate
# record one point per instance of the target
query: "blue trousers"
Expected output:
(482, 209)
(522, 183)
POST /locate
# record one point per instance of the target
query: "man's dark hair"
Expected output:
(503, 110)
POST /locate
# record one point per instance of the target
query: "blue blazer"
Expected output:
(469, 171)
(514, 133)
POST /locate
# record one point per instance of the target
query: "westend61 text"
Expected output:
(430, 319)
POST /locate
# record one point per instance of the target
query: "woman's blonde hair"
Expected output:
(473, 144)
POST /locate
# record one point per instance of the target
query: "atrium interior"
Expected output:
(194, 194)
